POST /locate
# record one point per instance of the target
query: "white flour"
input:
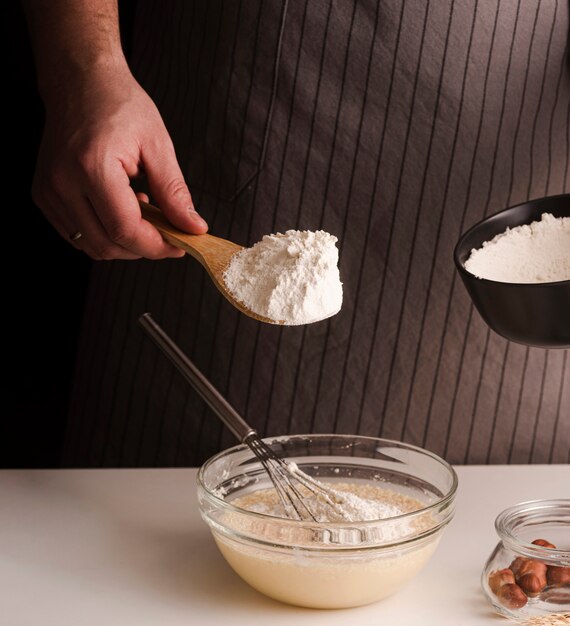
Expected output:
(291, 278)
(534, 253)
(347, 506)
(353, 503)
(356, 503)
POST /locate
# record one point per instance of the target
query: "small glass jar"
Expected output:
(528, 572)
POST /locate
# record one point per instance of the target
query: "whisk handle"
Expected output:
(211, 396)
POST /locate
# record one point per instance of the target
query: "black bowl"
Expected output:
(536, 314)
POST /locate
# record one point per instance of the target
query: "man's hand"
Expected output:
(104, 131)
(101, 130)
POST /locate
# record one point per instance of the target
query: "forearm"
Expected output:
(73, 38)
(101, 130)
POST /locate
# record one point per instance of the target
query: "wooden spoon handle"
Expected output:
(203, 248)
(214, 253)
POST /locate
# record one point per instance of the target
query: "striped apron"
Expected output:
(393, 125)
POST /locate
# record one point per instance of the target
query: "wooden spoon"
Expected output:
(212, 252)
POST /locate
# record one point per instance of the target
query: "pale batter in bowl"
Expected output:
(330, 564)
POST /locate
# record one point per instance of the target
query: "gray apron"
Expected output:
(393, 125)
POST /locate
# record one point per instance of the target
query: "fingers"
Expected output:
(93, 241)
(168, 187)
(82, 181)
(71, 214)
(117, 208)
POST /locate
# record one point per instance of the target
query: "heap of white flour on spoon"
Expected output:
(291, 278)
(533, 253)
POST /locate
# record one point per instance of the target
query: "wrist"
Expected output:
(72, 40)
(74, 73)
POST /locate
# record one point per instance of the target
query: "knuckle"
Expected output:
(91, 153)
(177, 188)
(155, 256)
(87, 158)
(121, 233)
(104, 252)
(59, 181)
(50, 186)
(96, 255)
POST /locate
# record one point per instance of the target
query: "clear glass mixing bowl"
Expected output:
(337, 564)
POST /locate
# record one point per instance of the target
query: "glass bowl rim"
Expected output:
(443, 502)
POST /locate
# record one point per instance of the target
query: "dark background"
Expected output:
(45, 279)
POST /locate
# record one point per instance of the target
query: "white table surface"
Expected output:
(128, 547)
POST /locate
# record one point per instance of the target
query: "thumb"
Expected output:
(169, 189)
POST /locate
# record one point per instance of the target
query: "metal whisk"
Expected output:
(291, 484)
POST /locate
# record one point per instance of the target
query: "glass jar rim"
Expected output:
(511, 518)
